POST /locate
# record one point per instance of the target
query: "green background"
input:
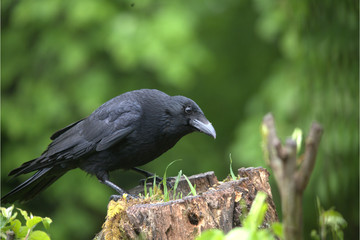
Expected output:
(238, 59)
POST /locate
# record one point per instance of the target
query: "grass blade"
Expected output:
(192, 188)
(176, 184)
(231, 171)
(166, 192)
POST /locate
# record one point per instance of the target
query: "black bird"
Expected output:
(128, 131)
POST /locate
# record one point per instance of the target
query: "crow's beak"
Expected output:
(204, 126)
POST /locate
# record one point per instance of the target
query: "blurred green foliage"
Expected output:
(12, 228)
(330, 221)
(237, 59)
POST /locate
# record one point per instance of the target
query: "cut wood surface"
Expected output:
(216, 205)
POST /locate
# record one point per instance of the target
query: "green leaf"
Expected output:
(238, 233)
(257, 212)
(2, 235)
(339, 234)
(46, 222)
(15, 226)
(23, 230)
(334, 219)
(24, 213)
(314, 235)
(6, 212)
(38, 235)
(212, 234)
(32, 222)
(329, 219)
(3, 211)
(277, 229)
(263, 234)
(3, 221)
(13, 216)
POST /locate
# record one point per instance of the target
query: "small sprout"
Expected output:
(166, 192)
(176, 184)
(192, 188)
(145, 189)
(231, 171)
(264, 131)
(297, 136)
(150, 192)
(264, 142)
(329, 220)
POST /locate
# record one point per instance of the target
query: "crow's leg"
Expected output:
(151, 175)
(104, 178)
(147, 174)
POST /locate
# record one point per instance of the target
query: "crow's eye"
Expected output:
(188, 109)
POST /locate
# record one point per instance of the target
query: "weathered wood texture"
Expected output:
(217, 205)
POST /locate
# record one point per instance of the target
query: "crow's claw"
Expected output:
(151, 180)
(158, 180)
(117, 197)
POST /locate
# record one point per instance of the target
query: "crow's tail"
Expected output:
(34, 185)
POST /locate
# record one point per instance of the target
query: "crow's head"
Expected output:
(188, 116)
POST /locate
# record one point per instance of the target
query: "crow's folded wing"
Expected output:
(106, 126)
(109, 124)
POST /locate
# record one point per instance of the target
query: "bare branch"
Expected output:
(273, 139)
(290, 161)
(312, 143)
(274, 147)
(291, 180)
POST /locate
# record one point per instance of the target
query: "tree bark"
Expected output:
(216, 205)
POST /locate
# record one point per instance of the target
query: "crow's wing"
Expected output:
(61, 131)
(111, 123)
(106, 126)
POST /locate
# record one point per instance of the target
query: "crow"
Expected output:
(128, 131)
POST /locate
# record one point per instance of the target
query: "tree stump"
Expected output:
(216, 205)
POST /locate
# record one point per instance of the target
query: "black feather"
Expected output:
(32, 186)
